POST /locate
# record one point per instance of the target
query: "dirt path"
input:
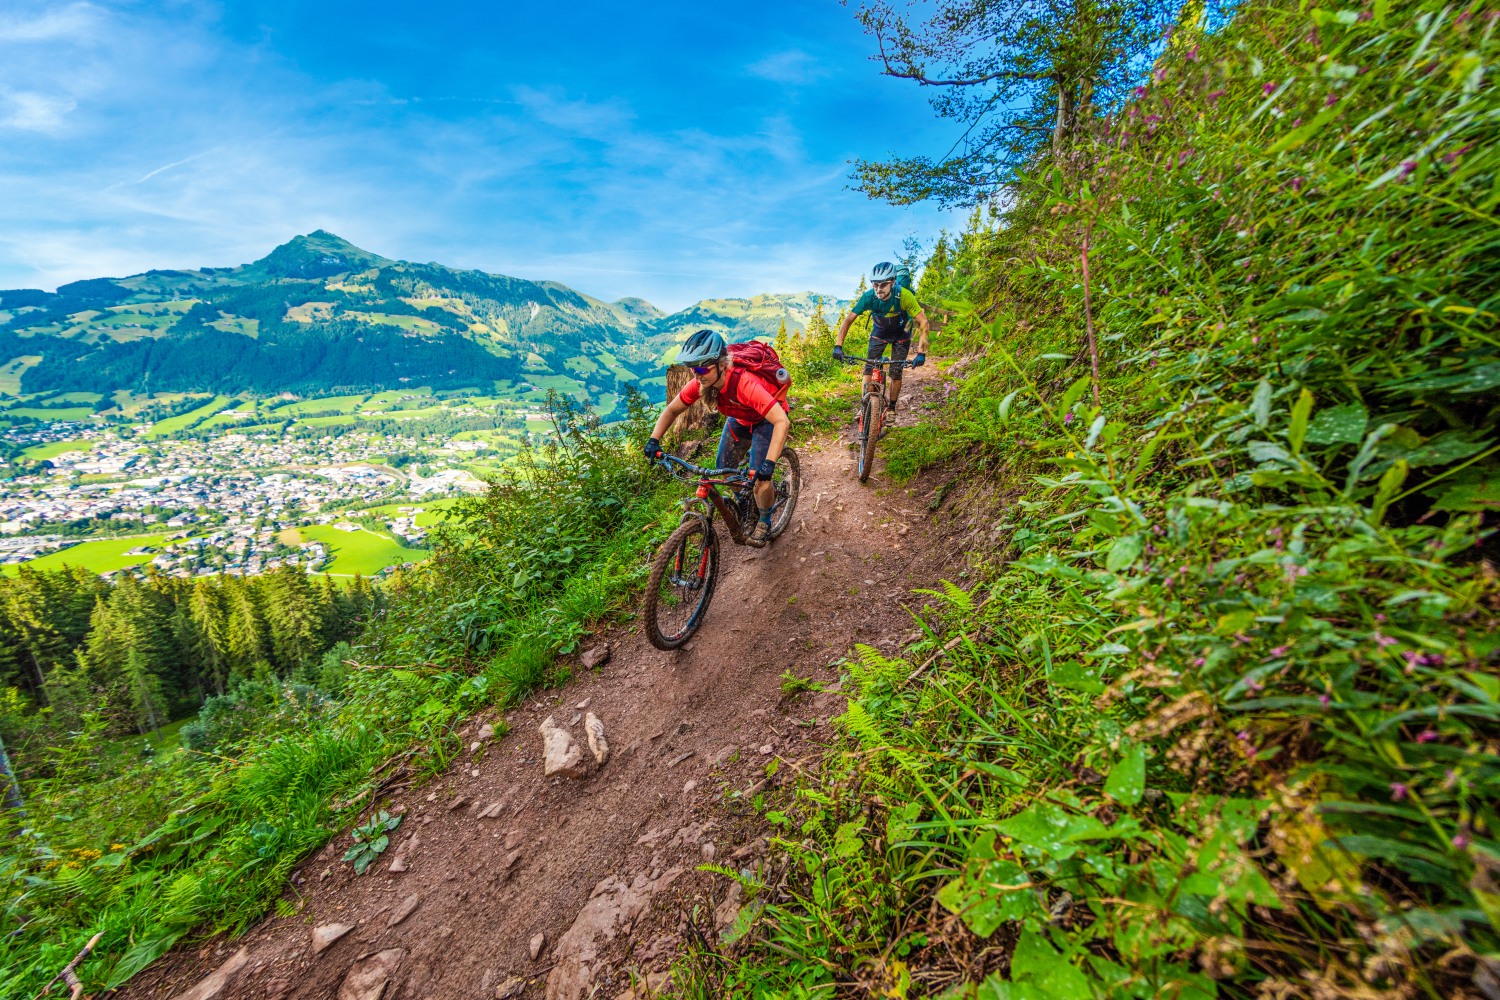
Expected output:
(495, 854)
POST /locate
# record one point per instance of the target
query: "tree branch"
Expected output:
(922, 79)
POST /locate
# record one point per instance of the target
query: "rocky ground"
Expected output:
(502, 881)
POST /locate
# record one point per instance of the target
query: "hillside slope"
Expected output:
(319, 315)
(604, 867)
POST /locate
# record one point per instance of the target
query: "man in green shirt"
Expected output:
(891, 309)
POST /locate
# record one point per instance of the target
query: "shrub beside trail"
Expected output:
(1223, 717)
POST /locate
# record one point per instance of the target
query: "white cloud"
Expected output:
(792, 66)
(78, 23)
(34, 112)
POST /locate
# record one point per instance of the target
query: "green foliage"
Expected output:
(1225, 722)
(371, 838)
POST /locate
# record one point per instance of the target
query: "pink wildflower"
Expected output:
(1216, 95)
(1280, 651)
(1140, 92)
(1199, 662)
(1068, 418)
(1296, 122)
(1382, 640)
(1330, 100)
(1296, 184)
(1398, 791)
(1267, 88)
(1365, 15)
(1452, 158)
(1427, 736)
(1407, 166)
(1323, 700)
(1460, 840)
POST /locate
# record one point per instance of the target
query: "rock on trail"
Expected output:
(612, 910)
(562, 753)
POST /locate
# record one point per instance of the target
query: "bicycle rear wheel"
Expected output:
(681, 583)
(871, 410)
(788, 481)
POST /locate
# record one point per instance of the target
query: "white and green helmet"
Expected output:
(701, 348)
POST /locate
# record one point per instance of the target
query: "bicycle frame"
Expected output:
(709, 481)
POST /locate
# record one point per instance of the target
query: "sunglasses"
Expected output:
(699, 370)
(884, 284)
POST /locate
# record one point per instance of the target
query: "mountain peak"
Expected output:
(319, 254)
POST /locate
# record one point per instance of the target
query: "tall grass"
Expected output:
(1225, 722)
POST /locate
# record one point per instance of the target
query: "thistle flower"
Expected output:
(1398, 791)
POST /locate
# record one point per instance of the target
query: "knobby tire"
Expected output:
(789, 475)
(870, 408)
(663, 564)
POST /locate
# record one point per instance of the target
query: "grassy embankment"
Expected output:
(1223, 719)
(192, 843)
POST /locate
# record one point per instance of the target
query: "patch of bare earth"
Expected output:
(502, 882)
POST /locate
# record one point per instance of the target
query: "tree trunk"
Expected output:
(10, 795)
(1064, 125)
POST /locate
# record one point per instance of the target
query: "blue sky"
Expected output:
(671, 151)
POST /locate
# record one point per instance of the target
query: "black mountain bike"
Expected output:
(872, 410)
(686, 567)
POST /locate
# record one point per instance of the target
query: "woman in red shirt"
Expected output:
(755, 418)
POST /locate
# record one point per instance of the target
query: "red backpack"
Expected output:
(762, 361)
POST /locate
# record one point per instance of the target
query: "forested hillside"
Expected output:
(320, 316)
(1220, 715)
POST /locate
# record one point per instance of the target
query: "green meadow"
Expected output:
(39, 452)
(102, 555)
(364, 552)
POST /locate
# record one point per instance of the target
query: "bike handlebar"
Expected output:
(730, 475)
(850, 359)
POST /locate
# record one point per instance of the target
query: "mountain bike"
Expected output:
(686, 567)
(872, 410)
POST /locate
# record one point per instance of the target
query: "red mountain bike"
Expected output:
(872, 410)
(686, 567)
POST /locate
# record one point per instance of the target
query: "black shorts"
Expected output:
(899, 350)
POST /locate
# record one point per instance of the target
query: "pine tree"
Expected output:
(144, 688)
(779, 345)
(244, 634)
(210, 632)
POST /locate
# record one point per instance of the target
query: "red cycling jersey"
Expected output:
(743, 397)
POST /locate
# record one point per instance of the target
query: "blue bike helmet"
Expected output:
(884, 271)
(701, 348)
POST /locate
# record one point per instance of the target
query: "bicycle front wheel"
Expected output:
(788, 481)
(681, 583)
(871, 411)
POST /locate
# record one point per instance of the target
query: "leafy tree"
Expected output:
(1022, 80)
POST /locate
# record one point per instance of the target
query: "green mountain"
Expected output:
(318, 314)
